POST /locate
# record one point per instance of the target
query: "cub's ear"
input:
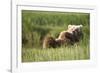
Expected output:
(81, 25)
(69, 25)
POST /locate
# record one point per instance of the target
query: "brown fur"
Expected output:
(49, 42)
(65, 37)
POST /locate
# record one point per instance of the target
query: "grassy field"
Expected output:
(37, 24)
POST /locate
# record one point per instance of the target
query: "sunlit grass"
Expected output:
(55, 54)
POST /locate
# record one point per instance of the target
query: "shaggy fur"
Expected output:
(49, 42)
(70, 36)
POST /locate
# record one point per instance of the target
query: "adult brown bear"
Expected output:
(69, 36)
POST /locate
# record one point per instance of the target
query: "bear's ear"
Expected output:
(81, 25)
(69, 26)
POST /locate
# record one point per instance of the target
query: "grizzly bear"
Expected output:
(70, 36)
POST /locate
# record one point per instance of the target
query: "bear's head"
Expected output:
(74, 28)
(76, 31)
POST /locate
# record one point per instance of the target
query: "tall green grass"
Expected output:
(37, 24)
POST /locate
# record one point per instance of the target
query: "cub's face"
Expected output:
(75, 28)
(76, 31)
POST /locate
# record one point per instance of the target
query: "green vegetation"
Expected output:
(37, 24)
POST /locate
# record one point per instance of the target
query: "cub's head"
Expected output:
(75, 28)
(76, 31)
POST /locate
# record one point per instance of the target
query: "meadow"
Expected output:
(37, 24)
